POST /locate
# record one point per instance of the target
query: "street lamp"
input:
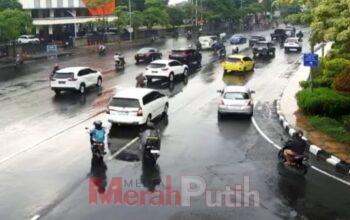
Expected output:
(130, 29)
(74, 15)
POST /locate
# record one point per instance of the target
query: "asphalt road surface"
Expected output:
(46, 164)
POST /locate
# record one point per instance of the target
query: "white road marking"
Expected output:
(35, 217)
(123, 148)
(278, 147)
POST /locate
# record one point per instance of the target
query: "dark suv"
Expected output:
(254, 39)
(279, 35)
(147, 55)
(264, 48)
(191, 57)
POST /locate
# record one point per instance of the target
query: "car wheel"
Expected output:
(82, 89)
(57, 92)
(171, 77)
(219, 116)
(286, 50)
(225, 71)
(99, 82)
(166, 108)
(185, 74)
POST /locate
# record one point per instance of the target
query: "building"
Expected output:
(59, 18)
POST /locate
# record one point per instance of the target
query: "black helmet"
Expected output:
(98, 124)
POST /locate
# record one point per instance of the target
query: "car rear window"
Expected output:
(291, 40)
(236, 95)
(63, 75)
(125, 103)
(258, 44)
(157, 65)
(233, 60)
(144, 50)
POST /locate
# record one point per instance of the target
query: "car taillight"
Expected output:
(72, 79)
(108, 111)
(250, 103)
(222, 102)
(165, 69)
(139, 112)
(52, 79)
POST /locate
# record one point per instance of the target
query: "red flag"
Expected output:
(107, 9)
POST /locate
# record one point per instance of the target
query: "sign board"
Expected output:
(311, 60)
(52, 50)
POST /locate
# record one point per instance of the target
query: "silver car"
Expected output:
(235, 100)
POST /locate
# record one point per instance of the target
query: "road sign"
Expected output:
(311, 60)
(52, 50)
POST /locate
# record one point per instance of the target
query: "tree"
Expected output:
(176, 16)
(10, 4)
(13, 23)
(155, 16)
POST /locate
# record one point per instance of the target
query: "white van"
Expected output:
(207, 41)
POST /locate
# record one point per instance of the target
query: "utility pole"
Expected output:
(196, 13)
(130, 30)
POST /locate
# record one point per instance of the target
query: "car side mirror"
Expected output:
(220, 91)
(252, 92)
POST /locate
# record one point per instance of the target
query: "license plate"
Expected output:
(155, 152)
(61, 82)
(122, 113)
(154, 71)
(233, 107)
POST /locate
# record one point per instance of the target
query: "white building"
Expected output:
(51, 17)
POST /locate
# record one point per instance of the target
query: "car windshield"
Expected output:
(125, 103)
(157, 65)
(31, 37)
(63, 75)
(236, 95)
(144, 50)
(291, 40)
(260, 44)
(233, 60)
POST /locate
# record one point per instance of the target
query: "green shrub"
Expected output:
(346, 122)
(323, 102)
(334, 67)
(331, 127)
(342, 82)
(317, 83)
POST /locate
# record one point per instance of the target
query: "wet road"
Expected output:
(50, 179)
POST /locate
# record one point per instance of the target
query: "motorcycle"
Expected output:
(151, 149)
(119, 62)
(97, 148)
(222, 54)
(299, 165)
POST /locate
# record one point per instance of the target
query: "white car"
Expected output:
(292, 43)
(207, 42)
(168, 69)
(235, 100)
(137, 106)
(25, 39)
(76, 79)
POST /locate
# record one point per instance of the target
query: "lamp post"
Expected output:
(130, 30)
(74, 15)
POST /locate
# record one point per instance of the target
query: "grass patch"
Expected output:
(331, 127)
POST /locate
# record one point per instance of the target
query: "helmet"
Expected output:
(56, 65)
(98, 124)
(298, 134)
(150, 125)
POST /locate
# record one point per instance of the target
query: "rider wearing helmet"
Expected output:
(151, 136)
(294, 147)
(97, 135)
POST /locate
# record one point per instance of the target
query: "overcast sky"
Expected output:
(175, 1)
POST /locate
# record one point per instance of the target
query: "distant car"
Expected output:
(137, 106)
(263, 48)
(290, 31)
(254, 39)
(26, 39)
(238, 63)
(168, 69)
(235, 100)
(279, 34)
(76, 79)
(207, 41)
(238, 39)
(191, 57)
(292, 44)
(147, 55)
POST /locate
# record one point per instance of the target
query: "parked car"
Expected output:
(292, 44)
(137, 106)
(207, 41)
(168, 69)
(235, 100)
(238, 39)
(76, 79)
(263, 48)
(256, 38)
(191, 57)
(26, 39)
(238, 63)
(279, 34)
(147, 55)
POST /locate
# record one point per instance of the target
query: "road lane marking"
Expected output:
(278, 147)
(35, 217)
(123, 148)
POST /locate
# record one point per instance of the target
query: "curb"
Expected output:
(339, 165)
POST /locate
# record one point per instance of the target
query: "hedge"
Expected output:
(317, 83)
(323, 102)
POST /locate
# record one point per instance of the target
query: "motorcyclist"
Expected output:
(189, 34)
(101, 49)
(140, 80)
(199, 46)
(56, 67)
(222, 51)
(151, 136)
(118, 57)
(98, 134)
(300, 35)
(294, 147)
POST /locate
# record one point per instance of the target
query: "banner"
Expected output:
(107, 9)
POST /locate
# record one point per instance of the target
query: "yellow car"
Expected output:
(238, 63)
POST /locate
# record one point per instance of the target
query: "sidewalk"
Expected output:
(320, 144)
